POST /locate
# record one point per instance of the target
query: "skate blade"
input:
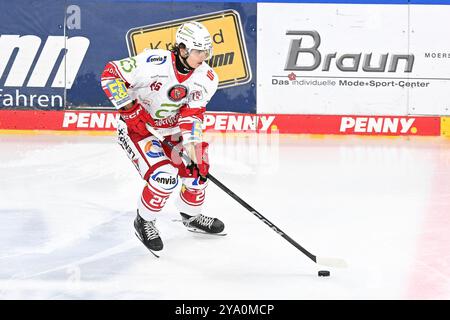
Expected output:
(220, 234)
(137, 236)
(194, 230)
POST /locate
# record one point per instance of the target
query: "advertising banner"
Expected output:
(100, 121)
(230, 59)
(335, 67)
(351, 59)
(429, 34)
(32, 62)
(53, 59)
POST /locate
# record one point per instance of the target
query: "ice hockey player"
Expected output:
(168, 90)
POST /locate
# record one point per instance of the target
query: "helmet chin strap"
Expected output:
(185, 60)
(186, 63)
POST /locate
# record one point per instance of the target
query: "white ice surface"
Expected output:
(67, 205)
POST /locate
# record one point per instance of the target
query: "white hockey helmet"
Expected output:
(194, 35)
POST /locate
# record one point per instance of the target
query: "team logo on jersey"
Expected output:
(153, 149)
(128, 64)
(166, 180)
(196, 95)
(177, 93)
(155, 59)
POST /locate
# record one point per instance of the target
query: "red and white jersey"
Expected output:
(171, 98)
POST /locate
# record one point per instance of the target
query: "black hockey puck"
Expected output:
(324, 273)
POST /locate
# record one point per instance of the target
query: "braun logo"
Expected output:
(41, 66)
(353, 59)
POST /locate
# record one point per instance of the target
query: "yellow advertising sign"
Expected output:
(230, 58)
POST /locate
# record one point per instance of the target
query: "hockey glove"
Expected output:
(201, 168)
(136, 117)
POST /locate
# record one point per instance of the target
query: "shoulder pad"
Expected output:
(209, 74)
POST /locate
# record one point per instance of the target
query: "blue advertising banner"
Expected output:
(32, 45)
(37, 73)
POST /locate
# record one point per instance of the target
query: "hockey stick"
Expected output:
(331, 262)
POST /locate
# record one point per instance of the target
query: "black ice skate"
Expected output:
(148, 234)
(203, 224)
